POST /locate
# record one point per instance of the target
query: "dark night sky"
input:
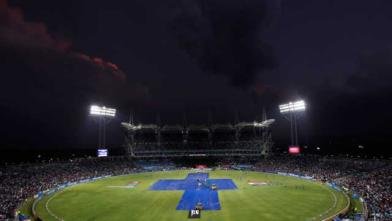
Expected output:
(195, 56)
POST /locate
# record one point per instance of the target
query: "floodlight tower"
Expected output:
(289, 111)
(103, 116)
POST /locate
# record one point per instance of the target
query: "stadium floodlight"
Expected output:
(102, 111)
(290, 107)
(102, 115)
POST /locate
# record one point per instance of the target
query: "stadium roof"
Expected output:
(172, 128)
(265, 123)
(222, 127)
(134, 127)
(201, 127)
(194, 127)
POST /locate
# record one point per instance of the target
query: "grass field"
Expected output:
(280, 200)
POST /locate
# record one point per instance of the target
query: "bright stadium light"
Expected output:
(290, 110)
(296, 106)
(102, 115)
(102, 111)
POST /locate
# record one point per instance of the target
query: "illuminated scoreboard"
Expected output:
(102, 152)
(294, 150)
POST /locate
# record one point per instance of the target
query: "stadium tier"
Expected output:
(242, 139)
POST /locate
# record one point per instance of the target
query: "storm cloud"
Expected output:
(46, 85)
(225, 37)
(50, 60)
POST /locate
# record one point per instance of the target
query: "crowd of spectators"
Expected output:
(370, 179)
(375, 188)
(18, 182)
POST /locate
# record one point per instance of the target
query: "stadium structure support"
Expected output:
(102, 115)
(289, 111)
(242, 139)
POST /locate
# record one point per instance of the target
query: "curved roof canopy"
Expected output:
(198, 128)
(172, 128)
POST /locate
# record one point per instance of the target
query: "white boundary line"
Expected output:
(330, 208)
(49, 211)
(313, 218)
(340, 211)
(335, 202)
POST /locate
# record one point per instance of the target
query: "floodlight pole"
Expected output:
(100, 114)
(104, 132)
(293, 120)
(101, 132)
(293, 128)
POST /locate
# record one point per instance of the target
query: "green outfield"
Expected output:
(282, 198)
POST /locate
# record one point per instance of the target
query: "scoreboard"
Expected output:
(294, 150)
(102, 152)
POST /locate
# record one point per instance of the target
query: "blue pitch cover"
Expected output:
(197, 189)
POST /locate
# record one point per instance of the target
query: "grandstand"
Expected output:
(241, 139)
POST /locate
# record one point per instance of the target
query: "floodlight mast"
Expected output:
(102, 113)
(292, 108)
